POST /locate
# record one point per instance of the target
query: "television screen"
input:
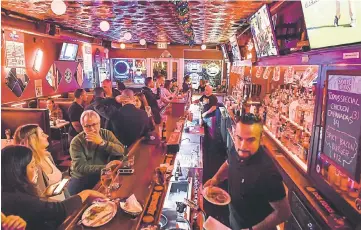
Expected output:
(225, 52)
(262, 31)
(332, 23)
(235, 48)
(68, 52)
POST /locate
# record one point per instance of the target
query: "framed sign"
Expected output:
(343, 124)
(14, 49)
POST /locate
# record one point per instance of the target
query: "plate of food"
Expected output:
(99, 214)
(216, 195)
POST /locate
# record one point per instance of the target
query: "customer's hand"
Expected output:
(114, 165)
(12, 222)
(91, 194)
(94, 137)
(211, 182)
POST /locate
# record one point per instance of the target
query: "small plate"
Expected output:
(216, 196)
(99, 214)
(122, 206)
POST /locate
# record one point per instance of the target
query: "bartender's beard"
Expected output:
(244, 154)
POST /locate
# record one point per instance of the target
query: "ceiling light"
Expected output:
(127, 36)
(142, 42)
(203, 47)
(122, 46)
(104, 26)
(58, 7)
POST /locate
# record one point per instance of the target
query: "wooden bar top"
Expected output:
(147, 158)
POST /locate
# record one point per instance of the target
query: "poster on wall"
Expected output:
(208, 70)
(87, 58)
(38, 88)
(14, 49)
(343, 124)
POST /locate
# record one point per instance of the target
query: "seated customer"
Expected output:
(33, 137)
(54, 111)
(90, 151)
(128, 122)
(19, 177)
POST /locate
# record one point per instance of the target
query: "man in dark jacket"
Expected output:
(152, 98)
(128, 123)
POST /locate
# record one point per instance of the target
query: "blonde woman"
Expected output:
(33, 137)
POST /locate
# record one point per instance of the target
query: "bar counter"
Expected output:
(147, 158)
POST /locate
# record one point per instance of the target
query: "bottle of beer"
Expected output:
(163, 132)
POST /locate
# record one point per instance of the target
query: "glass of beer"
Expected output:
(106, 178)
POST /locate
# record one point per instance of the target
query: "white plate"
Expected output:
(218, 194)
(106, 213)
(122, 206)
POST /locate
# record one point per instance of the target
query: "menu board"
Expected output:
(343, 123)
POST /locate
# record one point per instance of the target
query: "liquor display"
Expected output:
(288, 113)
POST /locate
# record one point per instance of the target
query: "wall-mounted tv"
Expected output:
(235, 48)
(332, 23)
(262, 31)
(68, 52)
(225, 52)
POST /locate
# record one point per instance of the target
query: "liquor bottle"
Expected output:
(163, 132)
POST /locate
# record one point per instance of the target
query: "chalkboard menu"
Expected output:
(343, 124)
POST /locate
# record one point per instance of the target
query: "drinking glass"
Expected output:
(8, 135)
(106, 179)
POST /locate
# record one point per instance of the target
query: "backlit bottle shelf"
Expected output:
(295, 124)
(293, 156)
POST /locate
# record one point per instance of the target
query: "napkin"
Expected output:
(213, 224)
(132, 204)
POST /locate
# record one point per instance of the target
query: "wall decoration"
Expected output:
(38, 88)
(52, 77)
(259, 71)
(182, 9)
(267, 72)
(68, 75)
(276, 73)
(17, 80)
(213, 69)
(209, 70)
(79, 75)
(134, 70)
(14, 49)
(165, 54)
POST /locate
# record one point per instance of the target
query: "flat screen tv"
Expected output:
(235, 48)
(225, 52)
(68, 52)
(332, 23)
(262, 32)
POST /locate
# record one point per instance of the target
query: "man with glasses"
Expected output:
(258, 198)
(90, 152)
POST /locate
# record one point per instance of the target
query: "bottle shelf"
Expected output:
(295, 124)
(293, 156)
